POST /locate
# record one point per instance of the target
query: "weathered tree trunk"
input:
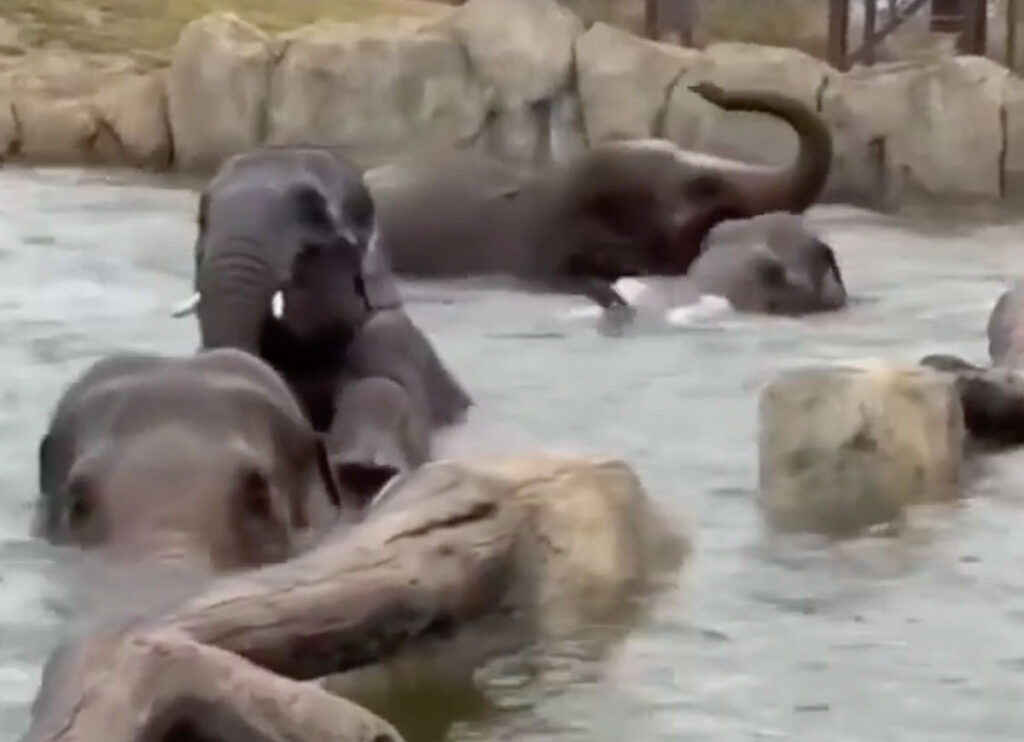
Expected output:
(420, 566)
(443, 551)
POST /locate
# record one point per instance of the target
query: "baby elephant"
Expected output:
(771, 264)
(378, 432)
(207, 459)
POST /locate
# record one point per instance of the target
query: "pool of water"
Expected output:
(919, 637)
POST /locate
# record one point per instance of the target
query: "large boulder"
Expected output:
(694, 123)
(521, 51)
(375, 88)
(217, 90)
(134, 116)
(918, 130)
(844, 448)
(57, 107)
(624, 81)
(1013, 134)
(55, 131)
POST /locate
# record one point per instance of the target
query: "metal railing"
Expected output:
(966, 18)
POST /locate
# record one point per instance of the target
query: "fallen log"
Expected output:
(442, 550)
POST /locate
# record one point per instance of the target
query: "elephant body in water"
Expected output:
(993, 397)
(289, 267)
(621, 208)
(768, 264)
(207, 459)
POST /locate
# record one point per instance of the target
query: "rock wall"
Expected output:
(525, 80)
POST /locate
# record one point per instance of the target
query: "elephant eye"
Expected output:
(703, 187)
(254, 494)
(772, 273)
(81, 506)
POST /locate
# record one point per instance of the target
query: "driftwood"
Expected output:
(442, 549)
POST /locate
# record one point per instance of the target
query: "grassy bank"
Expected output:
(147, 29)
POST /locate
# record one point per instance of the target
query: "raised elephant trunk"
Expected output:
(237, 290)
(797, 187)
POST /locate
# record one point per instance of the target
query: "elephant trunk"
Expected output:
(797, 187)
(236, 289)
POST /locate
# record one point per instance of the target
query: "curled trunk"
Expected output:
(797, 187)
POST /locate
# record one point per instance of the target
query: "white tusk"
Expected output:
(371, 246)
(277, 305)
(186, 307)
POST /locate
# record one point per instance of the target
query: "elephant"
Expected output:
(206, 459)
(1005, 325)
(623, 207)
(772, 264)
(767, 264)
(378, 432)
(992, 397)
(288, 266)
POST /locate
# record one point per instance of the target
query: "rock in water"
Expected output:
(598, 535)
(844, 448)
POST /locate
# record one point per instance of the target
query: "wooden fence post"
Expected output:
(838, 25)
(1011, 34)
(651, 19)
(870, 21)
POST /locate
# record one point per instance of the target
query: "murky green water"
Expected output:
(919, 638)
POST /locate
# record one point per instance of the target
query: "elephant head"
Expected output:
(770, 263)
(287, 242)
(206, 461)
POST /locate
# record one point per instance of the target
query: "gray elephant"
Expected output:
(1005, 328)
(992, 396)
(768, 264)
(288, 266)
(207, 459)
(378, 432)
(772, 264)
(621, 208)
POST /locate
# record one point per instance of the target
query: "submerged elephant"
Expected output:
(993, 397)
(289, 267)
(771, 264)
(206, 458)
(621, 208)
(378, 432)
(392, 393)
(768, 264)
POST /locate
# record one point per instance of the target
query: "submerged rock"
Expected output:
(844, 448)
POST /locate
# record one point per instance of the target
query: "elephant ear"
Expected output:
(379, 285)
(319, 213)
(49, 483)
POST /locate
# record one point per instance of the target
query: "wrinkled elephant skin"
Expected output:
(206, 458)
